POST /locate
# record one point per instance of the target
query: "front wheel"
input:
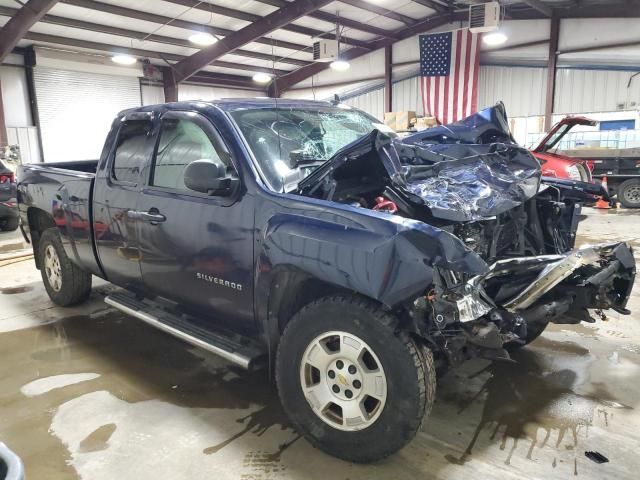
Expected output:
(351, 384)
(66, 283)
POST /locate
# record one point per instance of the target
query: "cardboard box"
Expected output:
(422, 123)
(390, 119)
(403, 120)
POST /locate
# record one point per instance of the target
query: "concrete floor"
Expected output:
(90, 393)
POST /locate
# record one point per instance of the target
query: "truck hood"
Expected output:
(559, 130)
(468, 170)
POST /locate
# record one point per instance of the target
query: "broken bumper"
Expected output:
(545, 287)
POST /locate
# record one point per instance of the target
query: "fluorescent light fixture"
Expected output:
(203, 39)
(262, 77)
(494, 38)
(123, 59)
(340, 65)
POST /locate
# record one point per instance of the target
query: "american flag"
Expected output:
(449, 64)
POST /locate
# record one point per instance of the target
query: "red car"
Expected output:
(555, 164)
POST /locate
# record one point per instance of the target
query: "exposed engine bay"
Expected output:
(474, 181)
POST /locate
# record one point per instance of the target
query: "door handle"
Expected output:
(153, 216)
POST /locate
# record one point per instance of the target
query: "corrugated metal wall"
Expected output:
(370, 102)
(521, 89)
(595, 91)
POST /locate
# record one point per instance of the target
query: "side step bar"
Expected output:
(231, 347)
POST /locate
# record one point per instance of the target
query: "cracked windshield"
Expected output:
(289, 144)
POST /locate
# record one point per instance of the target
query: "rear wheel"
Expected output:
(66, 283)
(9, 224)
(351, 384)
(629, 193)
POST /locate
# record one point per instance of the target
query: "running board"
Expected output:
(231, 347)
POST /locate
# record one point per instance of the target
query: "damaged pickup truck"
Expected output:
(307, 238)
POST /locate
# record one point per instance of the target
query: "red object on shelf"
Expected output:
(384, 205)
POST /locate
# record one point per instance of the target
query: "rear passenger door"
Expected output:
(199, 250)
(117, 186)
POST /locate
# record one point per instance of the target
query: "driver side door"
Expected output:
(196, 249)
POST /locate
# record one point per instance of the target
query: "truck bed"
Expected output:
(63, 190)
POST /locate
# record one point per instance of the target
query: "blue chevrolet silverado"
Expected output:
(307, 239)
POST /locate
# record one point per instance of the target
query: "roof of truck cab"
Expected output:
(233, 104)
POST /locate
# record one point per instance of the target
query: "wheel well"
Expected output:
(39, 221)
(290, 291)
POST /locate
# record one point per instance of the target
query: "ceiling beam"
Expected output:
(383, 11)
(325, 17)
(174, 22)
(123, 32)
(19, 24)
(433, 5)
(111, 49)
(286, 81)
(618, 10)
(278, 19)
(603, 46)
(552, 64)
(541, 7)
(251, 17)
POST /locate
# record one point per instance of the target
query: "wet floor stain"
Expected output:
(98, 439)
(525, 403)
(15, 290)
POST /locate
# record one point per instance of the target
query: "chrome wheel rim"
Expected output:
(343, 381)
(632, 194)
(52, 268)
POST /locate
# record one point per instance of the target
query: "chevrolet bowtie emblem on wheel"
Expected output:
(219, 281)
(342, 380)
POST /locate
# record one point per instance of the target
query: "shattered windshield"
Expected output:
(290, 143)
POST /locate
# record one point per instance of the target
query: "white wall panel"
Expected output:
(370, 102)
(407, 96)
(581, 91)
(521, 89)
(27, 139)
(15, 97)
(152, 94)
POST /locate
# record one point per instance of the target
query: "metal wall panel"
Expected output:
(27, 139)
(583, 91)
(198, 92)
(152, 94)
(371, 102)
(521, 89)
(15, 97)
(407, 96)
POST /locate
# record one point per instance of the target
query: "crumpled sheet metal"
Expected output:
(469, 170)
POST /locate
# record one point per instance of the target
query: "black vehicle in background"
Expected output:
(8, 205)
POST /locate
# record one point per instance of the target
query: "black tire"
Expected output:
(9, 224)
(534, 330)
(629, 193)
(75, 284)
(408, 367)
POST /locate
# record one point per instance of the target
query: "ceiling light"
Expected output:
(495, 38)
(203, 39)
(340, 65)
(261, 77)
(123, 59)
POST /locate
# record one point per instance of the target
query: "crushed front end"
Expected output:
(484, 315)
(473, 181)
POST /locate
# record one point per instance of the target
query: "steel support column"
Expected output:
(551, 71)
(170, 85)
(3, 126)
(388, 86)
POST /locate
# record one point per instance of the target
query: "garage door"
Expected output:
(76, 110)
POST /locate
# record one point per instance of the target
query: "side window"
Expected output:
(182, 142)
(132, 150)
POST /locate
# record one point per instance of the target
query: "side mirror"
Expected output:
(210, 177)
